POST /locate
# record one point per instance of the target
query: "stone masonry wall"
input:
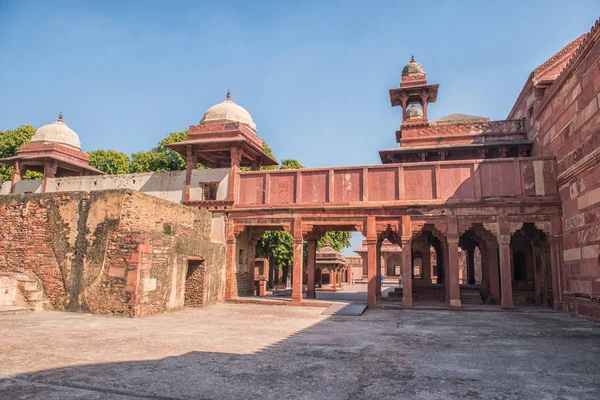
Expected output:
(566, 123)
(108, 252)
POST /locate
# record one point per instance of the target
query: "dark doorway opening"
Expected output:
(194, 282)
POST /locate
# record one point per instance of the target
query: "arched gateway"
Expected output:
(459, 181)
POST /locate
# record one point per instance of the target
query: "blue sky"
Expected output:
(314, 75)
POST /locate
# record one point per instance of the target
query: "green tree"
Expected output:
(338, 240)
(111, 162)
(290, 163)
(269, 152)
(160, 158)
(10, 142)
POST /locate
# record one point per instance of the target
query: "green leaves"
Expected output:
(160, 158)
(10, 142)
(111, 162)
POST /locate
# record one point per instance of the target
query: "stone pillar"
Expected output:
(17, 175)
(424, 100)
(332, 278)
(426, 265)
(556, 259)
(493, 271)
(297, 269)
(340, 278)
(407, 297)
(371, 256)
(50, 168)
(505, 271)
(310, 279)
(251, 265)
(230, 266)
(191, 159)
(236, 159)
(319, 274)
(378, 278)
(452, 278)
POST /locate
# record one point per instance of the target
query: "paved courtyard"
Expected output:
(244, 351)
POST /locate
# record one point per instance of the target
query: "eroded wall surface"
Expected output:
(110, 252)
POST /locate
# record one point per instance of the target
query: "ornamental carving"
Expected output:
(544, 226)
(475, 128)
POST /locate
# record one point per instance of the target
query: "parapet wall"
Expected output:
(165, 185)
(109, 252)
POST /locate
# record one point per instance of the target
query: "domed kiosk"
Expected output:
(413, 90)
(55, 151)
(225, 138)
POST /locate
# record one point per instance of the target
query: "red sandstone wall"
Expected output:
(566, 123)
(108, 252)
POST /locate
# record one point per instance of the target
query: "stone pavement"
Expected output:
(235, 351)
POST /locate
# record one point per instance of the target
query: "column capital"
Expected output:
(504, 239)
(452, 239)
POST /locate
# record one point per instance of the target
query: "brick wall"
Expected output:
(566, 123)
(108, 252)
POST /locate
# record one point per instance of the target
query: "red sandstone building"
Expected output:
(513, 204)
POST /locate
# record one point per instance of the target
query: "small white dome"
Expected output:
(228, 111)
(57, 132)
(414, 112)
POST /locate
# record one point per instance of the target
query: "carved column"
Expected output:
(251, 264)
(452, 278)
(332, 276)
(297, 269)
(556, 265)
(230, 266)
(424, 100)
(371, 243)
(236, 159)
(403, 101)
(310, 279)
(50, 168)
(407, 297)
(493, 272)
(191, 159)
(378, 277)
(17, 175)
(505, 271)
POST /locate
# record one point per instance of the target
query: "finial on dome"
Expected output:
(412, 58)
(228, 95)
(60, 117)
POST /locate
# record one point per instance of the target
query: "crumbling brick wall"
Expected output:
(120, 252)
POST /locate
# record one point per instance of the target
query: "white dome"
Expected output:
(228, 111)
(57, 132)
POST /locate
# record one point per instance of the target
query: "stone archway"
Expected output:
(531, 266)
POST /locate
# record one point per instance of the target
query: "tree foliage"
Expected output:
(111, 162)
(160, 158)
(338, 240)
(10, 142)
(290, 163)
